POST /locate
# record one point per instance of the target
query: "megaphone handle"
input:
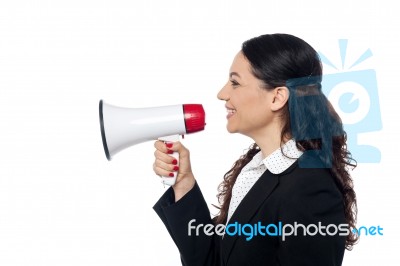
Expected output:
(167, 180)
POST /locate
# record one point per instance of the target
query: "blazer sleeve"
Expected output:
(312, 198)
(195, 249)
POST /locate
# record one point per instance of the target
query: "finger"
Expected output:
(164, 147)
(177, 147)
(165, 157)
(161, 146)
(154, 169)
(162, 172)
(166, 166)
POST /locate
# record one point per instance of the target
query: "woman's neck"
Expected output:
(269, 139)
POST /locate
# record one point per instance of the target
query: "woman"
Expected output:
(295, 175)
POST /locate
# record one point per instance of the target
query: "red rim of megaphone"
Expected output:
(194, 117)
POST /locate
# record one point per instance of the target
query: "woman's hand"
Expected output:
(165, 164)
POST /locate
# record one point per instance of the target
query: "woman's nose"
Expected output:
(223, 94)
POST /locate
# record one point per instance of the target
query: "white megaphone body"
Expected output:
(123, 127)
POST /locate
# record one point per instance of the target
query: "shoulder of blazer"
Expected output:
(314, 178)
(308, 166)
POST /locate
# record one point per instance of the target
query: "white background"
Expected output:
(63, 203)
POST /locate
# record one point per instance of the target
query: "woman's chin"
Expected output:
(231, 129)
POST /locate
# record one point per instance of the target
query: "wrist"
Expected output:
(183, 186)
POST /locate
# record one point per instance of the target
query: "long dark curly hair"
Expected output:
(308, 117)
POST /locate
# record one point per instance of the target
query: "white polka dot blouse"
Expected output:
(276, 163)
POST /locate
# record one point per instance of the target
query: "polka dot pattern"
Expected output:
(276, 163)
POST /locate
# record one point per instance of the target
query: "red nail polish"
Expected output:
(171, 174)
(176, 168)
(174, 161)
(169, 145)
(170, 152)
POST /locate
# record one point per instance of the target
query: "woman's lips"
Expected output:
(230, 112)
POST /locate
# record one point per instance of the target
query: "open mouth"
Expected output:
(230, 112)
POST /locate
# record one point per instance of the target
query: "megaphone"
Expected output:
(123, 127)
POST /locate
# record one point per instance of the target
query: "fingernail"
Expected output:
(169, 145)
(170, 151)
(171, 174)
(176, 168)
(174, 161)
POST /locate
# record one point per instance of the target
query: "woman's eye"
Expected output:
(234, 83)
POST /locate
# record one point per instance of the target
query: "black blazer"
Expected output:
(302, 195)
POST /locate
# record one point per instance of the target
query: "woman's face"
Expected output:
(248, 104)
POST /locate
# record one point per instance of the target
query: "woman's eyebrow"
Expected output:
(234, 74)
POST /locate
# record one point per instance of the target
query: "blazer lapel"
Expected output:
(249, 206)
